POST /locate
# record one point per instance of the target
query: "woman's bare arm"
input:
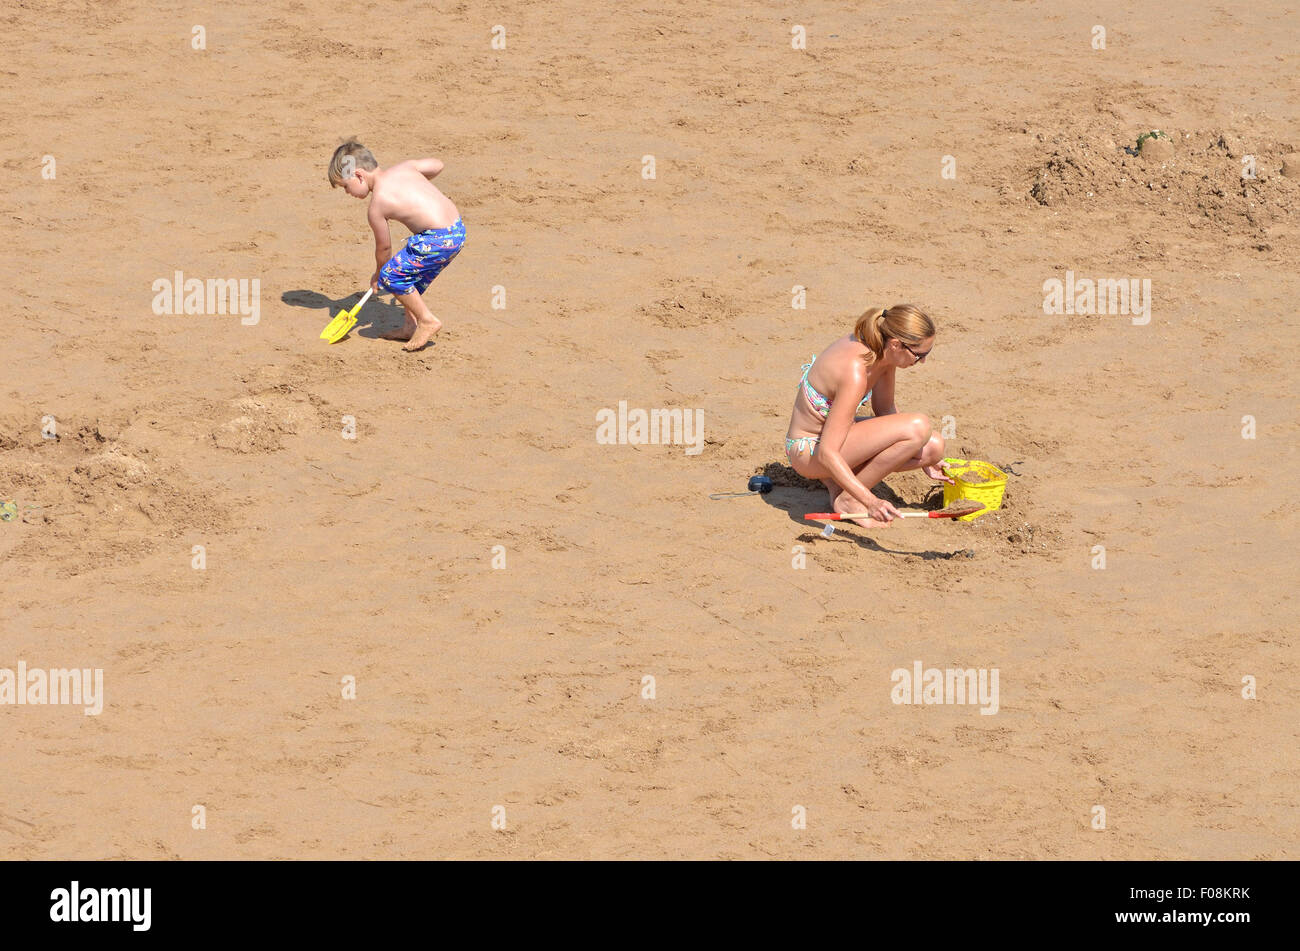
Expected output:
(882, 394)
(848, 395)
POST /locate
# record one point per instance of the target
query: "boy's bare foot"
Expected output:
(424, 331)
(404, 334)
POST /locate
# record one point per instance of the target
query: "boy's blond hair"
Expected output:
(347, 158)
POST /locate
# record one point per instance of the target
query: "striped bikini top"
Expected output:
(820, 404)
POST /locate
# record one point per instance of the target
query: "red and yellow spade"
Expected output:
(956, 510)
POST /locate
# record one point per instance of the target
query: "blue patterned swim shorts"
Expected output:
(422, 259)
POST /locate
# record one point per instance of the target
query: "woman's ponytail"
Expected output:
(906, 322)
(871, 330)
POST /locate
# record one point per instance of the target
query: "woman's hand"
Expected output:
(882, 511)
(873, 509)
(937, 473)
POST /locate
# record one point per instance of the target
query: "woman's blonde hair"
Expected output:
(906, 322)
(347, 158)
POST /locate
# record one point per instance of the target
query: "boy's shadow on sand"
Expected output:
(797, 496)
(373, 320)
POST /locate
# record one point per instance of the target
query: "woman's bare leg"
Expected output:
(882, 445)
(931, 455)
(874, 448)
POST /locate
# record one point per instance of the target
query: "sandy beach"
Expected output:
(238, 523)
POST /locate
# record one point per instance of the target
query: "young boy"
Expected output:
(403, 193)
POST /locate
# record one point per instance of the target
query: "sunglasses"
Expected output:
(920, 357)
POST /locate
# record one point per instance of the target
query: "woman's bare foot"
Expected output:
(424, 331)
(834, 490)
(846, 503)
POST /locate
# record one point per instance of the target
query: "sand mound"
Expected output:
(1192, 174)
(784, 475)
(88, 500)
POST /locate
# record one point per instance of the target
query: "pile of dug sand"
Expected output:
(1213, 177)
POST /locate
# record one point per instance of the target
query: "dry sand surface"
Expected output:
(372, 557)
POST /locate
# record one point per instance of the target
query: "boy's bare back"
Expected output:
(403, 192)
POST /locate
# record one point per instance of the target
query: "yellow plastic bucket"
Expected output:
(989, 491)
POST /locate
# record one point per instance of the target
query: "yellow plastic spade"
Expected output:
(344, 321)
